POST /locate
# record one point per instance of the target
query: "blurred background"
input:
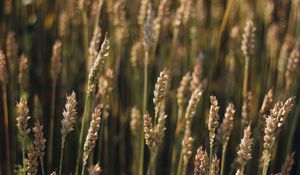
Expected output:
(197, 36)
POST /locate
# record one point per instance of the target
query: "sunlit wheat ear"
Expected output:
(23, 69)
(191, 108)
(214, 166)
(94, 169)
(94, 46)
(183, 89)
(98, 65)
(22, 117)
(63, 24)
(162, 8)
(213, 121)
(135, 120)
(92, 135)
(136, 53)
(201, 163)
(239, 172)
(227, 124)
(39, 140)
(148, 30)
(291, 67)
(53, 173)
(196, 75)
(248, 41)
(144, 5)
(247, 108)
(3, 69)
(287, 167)
(244, 153)
(32, 164)
(154, 134)
(69, 115)
(187, 146)
(268, 99)
(56, 60)
(160, 90)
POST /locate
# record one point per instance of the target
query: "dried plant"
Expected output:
(3, 69)
(94, 169)
(213, 122)
(39, 143)
(32, 167)
(246, 109)
(92, 136)
(98, 66)
(244, 153)
(201, 162)
(191, 108)
(268, 99)
(135, 120)
(23, 70)
(160, 90)
(56, 60)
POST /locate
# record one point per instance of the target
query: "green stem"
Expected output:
(265, 168)
(141, 159)
(83, 169)
(176, 138)
(179, 170)
(61, 153)
(51, 127)
(246, 76)
(152, 165)
(223, 159)
(83, 128)
(42, 165)
(23, 155)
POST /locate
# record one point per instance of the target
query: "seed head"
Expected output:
(268, 99)
(160, 89)
(69, 115)
(213, 119)
(22, 117)
(227, 124)
(191, 108)
(148, 30)
(183, 89)
(187, 145)
(92, 135)
(248, 41)
(247, 108)
(135, 120)
(39, 140)
(3, 69)
(98, 65)
(32, 161)
(245, 148)
(201, 162)
(23, 68)
(56, 60)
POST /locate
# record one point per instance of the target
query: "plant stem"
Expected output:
(223, 159)
(42, 165)
(83, 128)
(176, 138)
(265, 169)
(4, 98)
(51, 127)
(210, 152)
(141, 159)
(246, 76)
(61, 153)
(179, 170)
(83, 169)
(152, 165)
(23, 154)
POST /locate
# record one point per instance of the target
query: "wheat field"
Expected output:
(154, 87)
